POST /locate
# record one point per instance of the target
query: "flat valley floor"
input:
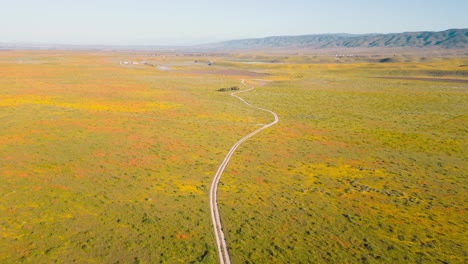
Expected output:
(108, 157)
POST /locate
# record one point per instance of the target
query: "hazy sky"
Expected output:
(175, 22)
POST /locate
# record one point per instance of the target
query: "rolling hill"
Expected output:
(448, 39)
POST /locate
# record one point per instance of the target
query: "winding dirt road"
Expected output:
(224, 257)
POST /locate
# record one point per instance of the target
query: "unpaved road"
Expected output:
(224, 257)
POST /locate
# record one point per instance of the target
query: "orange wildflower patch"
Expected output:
(182, 236)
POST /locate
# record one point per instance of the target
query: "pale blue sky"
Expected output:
(184, 22)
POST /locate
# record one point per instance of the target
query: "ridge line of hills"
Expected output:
(451, 39)
(447, 39)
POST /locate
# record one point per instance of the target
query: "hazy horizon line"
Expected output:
(201, 43)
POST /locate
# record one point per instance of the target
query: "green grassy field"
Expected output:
(104, 163)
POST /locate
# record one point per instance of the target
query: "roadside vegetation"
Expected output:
(104, 162)
(233, 88)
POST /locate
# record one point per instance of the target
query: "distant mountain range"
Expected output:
(448, 39)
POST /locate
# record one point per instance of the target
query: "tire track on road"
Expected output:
(223, 251)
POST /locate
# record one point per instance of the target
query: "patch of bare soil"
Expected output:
(426, 79)
(226, 72)
(261, 82)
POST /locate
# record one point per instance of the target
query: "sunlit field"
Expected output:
(108, 157)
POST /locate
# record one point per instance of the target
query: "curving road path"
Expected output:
(224, 257)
